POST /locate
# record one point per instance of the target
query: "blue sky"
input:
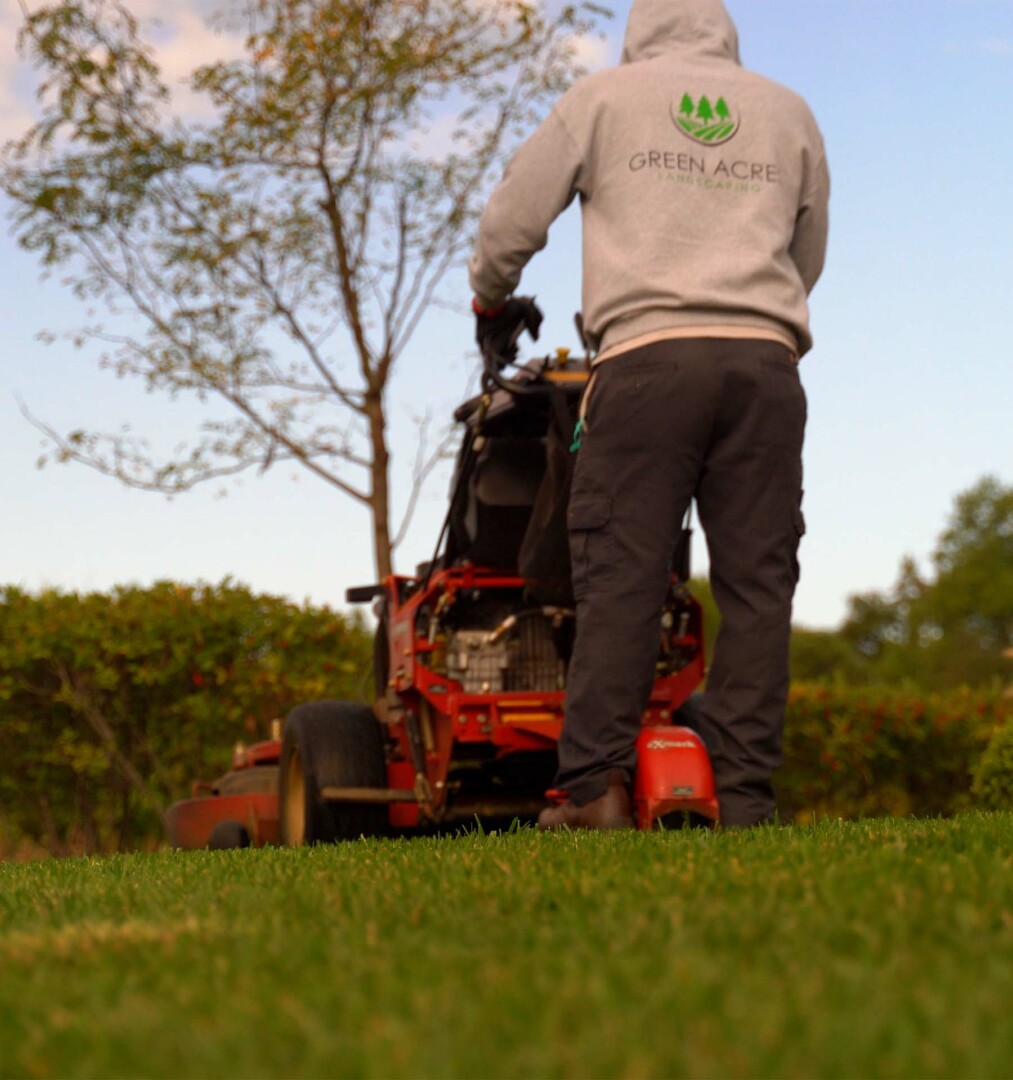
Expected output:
(909, 384)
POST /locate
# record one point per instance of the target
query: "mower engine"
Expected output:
(520, 654)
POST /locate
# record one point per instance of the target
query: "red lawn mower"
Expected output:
(470, 662)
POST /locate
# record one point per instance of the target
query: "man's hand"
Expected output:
(497, 331)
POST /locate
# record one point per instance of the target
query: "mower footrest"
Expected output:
(368, 794)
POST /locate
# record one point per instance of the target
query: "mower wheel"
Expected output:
(330, 744)
(227, 835)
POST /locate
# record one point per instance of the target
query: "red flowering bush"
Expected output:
(877, 751)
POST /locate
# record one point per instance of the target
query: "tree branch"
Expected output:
(104, 730)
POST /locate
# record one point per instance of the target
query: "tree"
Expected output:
(826, 656)
(954, 629)
(704, 110)
(277, 257)
(721, 108)
(686, 106)
(973, 591)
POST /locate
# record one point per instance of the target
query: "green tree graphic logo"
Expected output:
(704, 123)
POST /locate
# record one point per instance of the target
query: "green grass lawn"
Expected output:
(848, 950)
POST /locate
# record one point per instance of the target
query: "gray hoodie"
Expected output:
(703, 189)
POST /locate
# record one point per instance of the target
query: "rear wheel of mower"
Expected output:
(229, 834)
(330, 744)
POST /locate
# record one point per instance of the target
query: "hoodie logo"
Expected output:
(705, 122)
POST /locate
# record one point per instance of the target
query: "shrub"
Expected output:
(113, 703)
(878, 751)
(993, 778)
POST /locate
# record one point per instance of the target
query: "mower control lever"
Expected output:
(493, 365)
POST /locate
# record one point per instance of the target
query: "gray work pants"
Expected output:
(721, 421)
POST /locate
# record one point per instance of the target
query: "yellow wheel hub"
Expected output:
(294, 810)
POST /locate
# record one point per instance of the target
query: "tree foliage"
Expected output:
(939, 632)
(113, 703)
(954, 628)
(281, 253)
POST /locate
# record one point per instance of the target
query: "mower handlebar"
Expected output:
(493, 365)
(534, 383)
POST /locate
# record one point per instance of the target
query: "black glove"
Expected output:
(497, 332)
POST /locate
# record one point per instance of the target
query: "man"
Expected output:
(703, 189)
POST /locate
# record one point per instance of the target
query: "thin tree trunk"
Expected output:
(125, 822)
(49, 834)
(379, 500)
(104, 730)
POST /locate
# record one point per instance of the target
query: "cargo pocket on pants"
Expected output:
(587, 519)
(799, 533)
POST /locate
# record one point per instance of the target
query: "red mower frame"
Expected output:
(470, 681)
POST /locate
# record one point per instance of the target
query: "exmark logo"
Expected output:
(707, 123)
(672, 744)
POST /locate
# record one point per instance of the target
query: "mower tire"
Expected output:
(227, 835)
(330, 744)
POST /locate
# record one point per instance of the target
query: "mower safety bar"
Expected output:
(493, 364)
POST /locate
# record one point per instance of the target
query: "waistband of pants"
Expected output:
(730, 333)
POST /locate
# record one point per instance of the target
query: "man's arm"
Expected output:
(809, 244)
(538, 185)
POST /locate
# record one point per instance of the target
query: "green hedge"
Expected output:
(880, 751)
(111, 704)
(993, 778)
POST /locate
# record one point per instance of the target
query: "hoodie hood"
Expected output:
(697, 27)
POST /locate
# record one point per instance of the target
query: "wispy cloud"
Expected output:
(594, 51)
(996, 46)
(183, 40)
(15, 86)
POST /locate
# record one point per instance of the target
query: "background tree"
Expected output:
(953, 629)
(826, 657)
(973, 590)
(936, 633)
(280, 255)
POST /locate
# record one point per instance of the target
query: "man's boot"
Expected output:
(609, 811)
